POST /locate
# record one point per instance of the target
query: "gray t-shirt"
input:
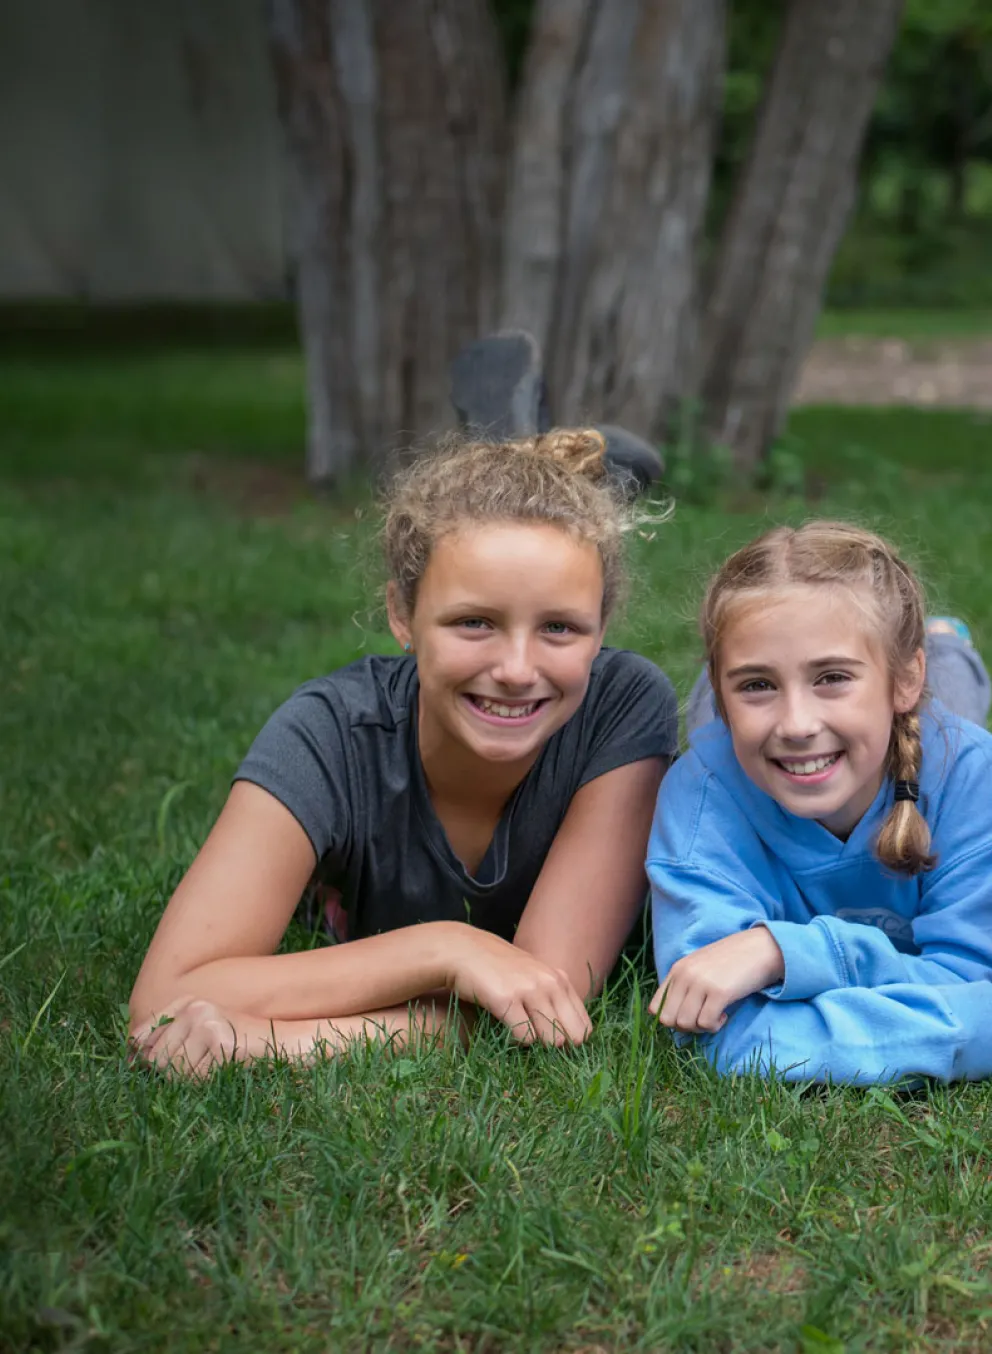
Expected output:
(341, 754)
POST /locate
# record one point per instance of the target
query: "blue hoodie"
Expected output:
(886, 976)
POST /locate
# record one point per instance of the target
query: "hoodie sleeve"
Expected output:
(861, 1036)
(953, 931)
(693, 904)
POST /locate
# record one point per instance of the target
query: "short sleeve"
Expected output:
(630, 713)
(302, 757)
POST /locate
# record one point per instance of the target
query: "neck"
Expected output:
(453, 772)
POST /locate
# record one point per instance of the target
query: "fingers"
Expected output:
(667, 1003)
(712, 1015)
(179, 1051)
(582, 1026)
(558, 1016)
(145, 1036)
(686, 1007)
(517, 1020)
(678, 1006)
(548, 1027)
(169, 1051)
(553, 1014)
(147, 1032)
(189, 1038)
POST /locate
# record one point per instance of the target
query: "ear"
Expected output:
(399, 622)
(909, 686)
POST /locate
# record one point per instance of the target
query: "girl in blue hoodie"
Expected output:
(821, 858)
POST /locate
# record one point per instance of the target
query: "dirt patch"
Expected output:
(942, 373)
(255, 487)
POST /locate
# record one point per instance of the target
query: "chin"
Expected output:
(505, 750)
(806, 810)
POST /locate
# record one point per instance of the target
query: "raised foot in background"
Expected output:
(497, 386)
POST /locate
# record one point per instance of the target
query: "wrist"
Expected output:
(774, 971)
(257, 1037)
(447, 945)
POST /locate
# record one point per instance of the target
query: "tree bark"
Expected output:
(394, 120)
(537, 178)
(608, 186)
(788, 214)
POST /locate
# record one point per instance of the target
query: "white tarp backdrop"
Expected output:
(140, 151)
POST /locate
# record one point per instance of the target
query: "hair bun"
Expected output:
(580, 449)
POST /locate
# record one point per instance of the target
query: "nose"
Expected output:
(514, 666)
(799, 718)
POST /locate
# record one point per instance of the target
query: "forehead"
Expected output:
(799, 624)
(508, 558)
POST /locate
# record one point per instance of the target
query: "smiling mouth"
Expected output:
(808, 766)
(505, 709)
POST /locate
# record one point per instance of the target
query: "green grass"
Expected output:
(154, 608)
(912, 323)
(940, 265)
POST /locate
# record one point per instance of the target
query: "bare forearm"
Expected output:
(197, 1035)
(396, 1025)
(335, 981)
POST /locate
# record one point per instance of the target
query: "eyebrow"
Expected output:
(470, 608)
(828, 661)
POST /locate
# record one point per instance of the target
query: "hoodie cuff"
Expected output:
(811, 962)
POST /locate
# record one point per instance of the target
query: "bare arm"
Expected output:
(197, 1034)
(593, 882)
(216, 939)
(218, 935)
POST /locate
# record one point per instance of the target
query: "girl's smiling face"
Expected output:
(810, 700)
(507, 621)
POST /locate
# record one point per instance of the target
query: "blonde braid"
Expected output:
(904, 839)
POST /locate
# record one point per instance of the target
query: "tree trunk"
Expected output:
(789, 210)
(608, 185)
(394, 119)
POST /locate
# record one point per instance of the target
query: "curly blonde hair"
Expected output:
(892, 598)
(558, 478)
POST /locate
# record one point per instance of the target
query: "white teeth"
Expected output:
(504, 711)
(810, 767)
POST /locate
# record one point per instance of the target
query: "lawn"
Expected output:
(164, 583)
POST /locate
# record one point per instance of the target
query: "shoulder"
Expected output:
(629, 714)
(619, 676)
(624, 667)
(375, 690)
(333, 719)
(697, 811)
(956, 774)
(314, 753)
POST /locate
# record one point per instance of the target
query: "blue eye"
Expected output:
(558, 628)
(475, 623)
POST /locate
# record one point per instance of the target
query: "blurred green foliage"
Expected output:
(922, 230)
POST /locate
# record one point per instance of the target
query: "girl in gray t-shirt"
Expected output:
(471, 816)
